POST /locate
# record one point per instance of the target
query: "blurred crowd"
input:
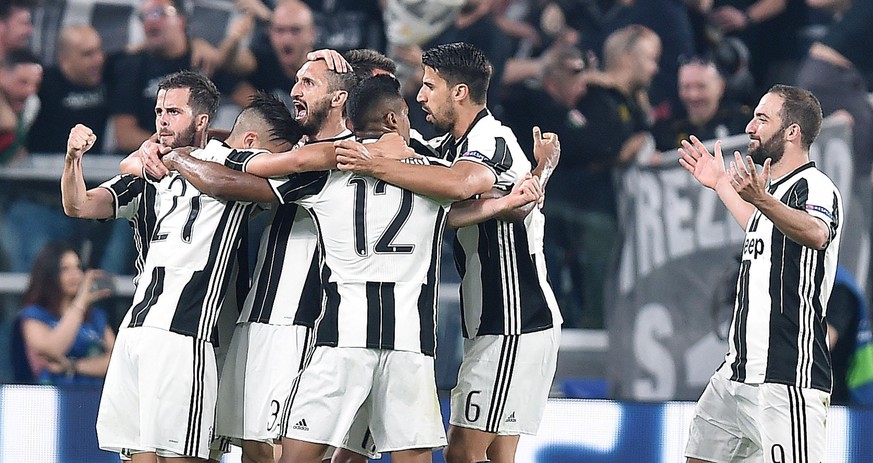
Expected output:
(620, 81)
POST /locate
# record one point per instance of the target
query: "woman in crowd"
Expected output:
(66, 339)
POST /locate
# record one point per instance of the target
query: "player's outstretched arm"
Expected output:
(219, 181)
(78, 201)
(461, 181)
(509, 207)
(320, 156)
(308, 158)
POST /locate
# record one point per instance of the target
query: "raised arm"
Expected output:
(78, 201)
(220, 181)
(308, 158)
(710, 171)
(234, 57)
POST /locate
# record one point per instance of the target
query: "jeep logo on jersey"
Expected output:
(753, 246)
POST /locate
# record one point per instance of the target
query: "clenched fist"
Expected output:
(80, 141)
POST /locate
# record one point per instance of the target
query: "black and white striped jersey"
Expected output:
(192, 254)
(380, 264)
(133, 199)
(287, 288)
(778, 333)
(504, 288)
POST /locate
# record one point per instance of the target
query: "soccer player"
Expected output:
(126, 196)
(375, 338)
(280, 311)
(160, 390)
(769, 399)
(510, 316)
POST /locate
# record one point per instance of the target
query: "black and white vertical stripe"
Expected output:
(506, 253)
(227, 245)
(797, 413)
(806, 316)
(381, 309)
(195, 430)
(504, 373)
(305, 360)
(139, 311)
(778, 332)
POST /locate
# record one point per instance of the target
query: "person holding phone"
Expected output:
(66, 339)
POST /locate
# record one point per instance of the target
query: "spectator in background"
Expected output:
(771, 31)
(835, 68)
(261, 12)
(477, 25)
(670, 20)
(529, 54)
(707, 116)
(73, 91)
(20, 77)
(292, 35)
(31, 215)
(16, 26)
(136, 73)
(348, 25)
(575, 255)
(67, 340)
(615, 119)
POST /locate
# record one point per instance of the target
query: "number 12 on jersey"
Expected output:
(385, 244)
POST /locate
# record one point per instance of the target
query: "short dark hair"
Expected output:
(364, 61)
(801, 107)
(341, 80)
(458, 63)
(272, 112)
(203, 97)
(366, 103)
(20, 56)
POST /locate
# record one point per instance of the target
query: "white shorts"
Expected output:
(504, 382)
(159, 394)
(260, 368)
(767, 422)
(396, 388)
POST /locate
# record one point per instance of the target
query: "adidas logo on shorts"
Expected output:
(510, 418)
(301, 426)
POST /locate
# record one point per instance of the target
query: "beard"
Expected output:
(446, 121)
(773, 148)
(316, 115)
(184, 137)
